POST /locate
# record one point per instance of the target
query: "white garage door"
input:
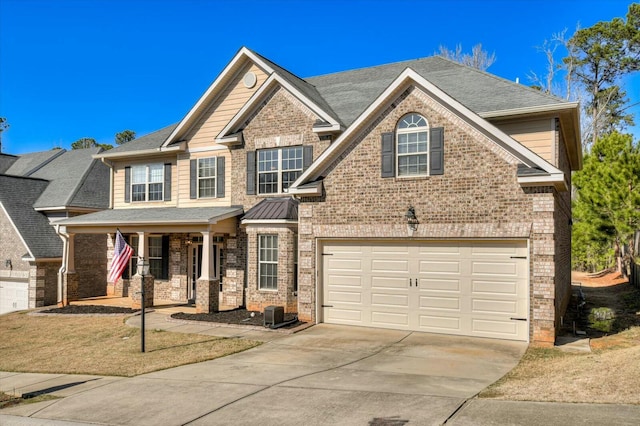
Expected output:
(14, 296)
(471, 288)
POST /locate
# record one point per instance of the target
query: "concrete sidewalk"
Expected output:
(323, 375)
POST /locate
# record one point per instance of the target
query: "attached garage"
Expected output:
(474, 288)
(14, 296)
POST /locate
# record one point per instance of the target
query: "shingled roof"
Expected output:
(17, 196)
(351, 92)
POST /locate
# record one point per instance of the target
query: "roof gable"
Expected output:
(407, 78)
(17, 195)
(268, 87)
(28, 164)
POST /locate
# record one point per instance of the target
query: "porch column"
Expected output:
(70, 278)
(135, 285)
(207, 287)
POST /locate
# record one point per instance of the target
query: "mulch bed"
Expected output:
(90, 309)
(236, 316)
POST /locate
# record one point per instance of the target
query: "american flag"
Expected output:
(121, 255)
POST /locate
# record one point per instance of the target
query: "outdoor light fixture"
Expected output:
(143, 269)
(7, 263)
(412, 220)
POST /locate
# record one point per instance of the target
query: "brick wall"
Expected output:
(285, 295)
(478, 196)
(233, 280)
(91, 264)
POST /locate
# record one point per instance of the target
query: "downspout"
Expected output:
(63, 268)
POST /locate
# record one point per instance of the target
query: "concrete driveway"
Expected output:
(326, 374)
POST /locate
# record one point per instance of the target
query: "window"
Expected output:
(207, 177)
(413, 140)
(278, 169)
(268, 262)
(147, 182)
(158, 257)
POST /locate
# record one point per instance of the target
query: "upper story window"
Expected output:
(207, 177)
(278, 168)
(147, 182)
(413, 150)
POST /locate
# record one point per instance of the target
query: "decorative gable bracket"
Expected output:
(324, 128)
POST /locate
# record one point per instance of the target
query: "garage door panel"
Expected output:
(439, 323)
(385, 319)
(439, 284)
(385, 299)
(390, 266)
(509, 288)
(508, 269)
(471, 288)
(440, 302)
(400, 283)
(345, 297)
(345, 315)
(439, 267)
(346, 280)
(14, 296)
(353, 265)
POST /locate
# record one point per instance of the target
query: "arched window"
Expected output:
(412, 136)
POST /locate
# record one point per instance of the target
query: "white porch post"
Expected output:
(143, 247)
(207, 258)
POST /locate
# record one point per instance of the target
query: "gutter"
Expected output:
(63, 268)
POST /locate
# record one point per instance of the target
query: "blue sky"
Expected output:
(90, 68)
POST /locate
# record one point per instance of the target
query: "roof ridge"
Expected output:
(498, 78)
(44, 163)
(370, 67)
(24, 177)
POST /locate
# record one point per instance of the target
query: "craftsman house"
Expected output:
(420, 195)
(36, 190)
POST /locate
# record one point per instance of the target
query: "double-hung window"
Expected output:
(278, 168)
(207, 177)
(268, 262)
(147, 182)
(413, 146)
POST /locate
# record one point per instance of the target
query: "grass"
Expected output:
(609, 374)
(100, 346)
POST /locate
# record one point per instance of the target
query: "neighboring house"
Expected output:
(36, 190)
(421, 195)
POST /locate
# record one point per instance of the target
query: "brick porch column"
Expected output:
(136, 286)
(70, 285)
(207, 296)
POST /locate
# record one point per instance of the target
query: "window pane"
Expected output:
(155, 191)
(139, 174)
(207, 167)
(288, 178)
(268, 261)
(267, 160)
(138, 192)
(268, 183)
(156, 173)
(206, 188)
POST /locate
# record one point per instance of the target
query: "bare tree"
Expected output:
(478, 58)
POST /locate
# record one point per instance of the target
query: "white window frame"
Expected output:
(279, 170)
(147, 181)
(213, 177)
(411, 124)
(268, 258)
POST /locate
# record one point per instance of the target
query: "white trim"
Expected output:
(321, 130)
(179, 147)
(309, 189)
(65, 208)
(531, 110)
(263, 91)
(207, 149)
(6, 213)
(242, 53)
(407, 77)
(555, 179)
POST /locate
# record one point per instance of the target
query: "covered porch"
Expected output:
(193, 254)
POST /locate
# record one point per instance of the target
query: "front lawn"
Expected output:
(100, 345)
